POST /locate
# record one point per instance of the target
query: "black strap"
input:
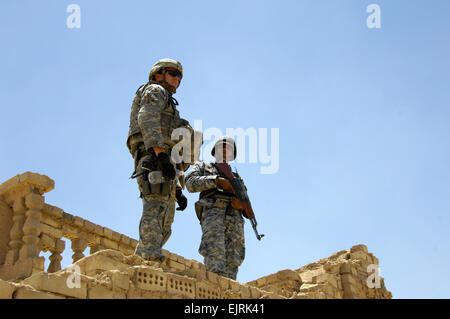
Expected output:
(173, 101)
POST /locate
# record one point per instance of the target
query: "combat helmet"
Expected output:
(165, 63)
(225, 140)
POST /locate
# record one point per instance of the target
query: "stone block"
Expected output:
(271, 295)
(338, 254)
(174, 265)
(374, 259)
(133, 293)
(245, 292)
(356, 248)
(271, 279)
(360, 255)
(100, 292)
(35, 201)
(149, 279)
(47, 242)
(287, 274)
(120, 279)
(312, 287)
(78, 221)
(27, 292)
(302, 295)
(91, 238)
(181, 285)
(181, 259)
(255, 293)
(326, 278)
(205, 290)
(212, 277)
(289, 285)
(234, 285)
(261, 282)
(346, 268)
(88, 226)
(107, 232)
(98, 262)
(53, 211)
(126, 250)
(274, 289)
(197, 265)
(349, 279)
(56, 284)
(331, 267)
(42, 182)
(188, 263)
(307, 275)
(51, 231)
(6, 223)
(134, 243)
(224, 283)
(109, 244)
(70, 231)
(50, 220)
(67, 217)
(6, 289)
(350, 291)
(10, 183)
(125, 240)
(116, 236)
(231, 295)
(195, 273)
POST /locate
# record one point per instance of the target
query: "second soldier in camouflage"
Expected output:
(222, 244)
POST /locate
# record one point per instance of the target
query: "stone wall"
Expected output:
(5, 227)
(113, 271)
(348, 274)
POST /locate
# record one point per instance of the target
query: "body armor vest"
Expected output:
(170, 119)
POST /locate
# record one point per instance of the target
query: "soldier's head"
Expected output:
(168, 73)
(224, 149)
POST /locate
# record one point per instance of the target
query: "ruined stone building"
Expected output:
(29, 226)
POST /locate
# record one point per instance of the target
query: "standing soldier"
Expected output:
(222, 244)
(153, 118)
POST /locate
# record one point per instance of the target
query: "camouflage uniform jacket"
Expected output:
(202, 178)
(153, 118)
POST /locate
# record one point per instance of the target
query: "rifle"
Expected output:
(241, 194)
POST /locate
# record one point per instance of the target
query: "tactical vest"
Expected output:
(170, 119)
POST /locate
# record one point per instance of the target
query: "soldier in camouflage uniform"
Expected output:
(222, 244)
(153, 118)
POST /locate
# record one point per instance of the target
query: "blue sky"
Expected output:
(363, 117)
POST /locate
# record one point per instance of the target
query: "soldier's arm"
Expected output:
(153, 102)
(197, 181)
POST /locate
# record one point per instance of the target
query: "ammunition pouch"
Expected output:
(215, 199)
(161, 189)
(147, 162)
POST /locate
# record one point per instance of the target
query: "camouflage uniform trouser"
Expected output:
(155, 226)
(222, 244)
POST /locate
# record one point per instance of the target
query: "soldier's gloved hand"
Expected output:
(167, 168)
(181, 200)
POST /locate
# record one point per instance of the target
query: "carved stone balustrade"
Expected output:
(34, 226)
(24, 195)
